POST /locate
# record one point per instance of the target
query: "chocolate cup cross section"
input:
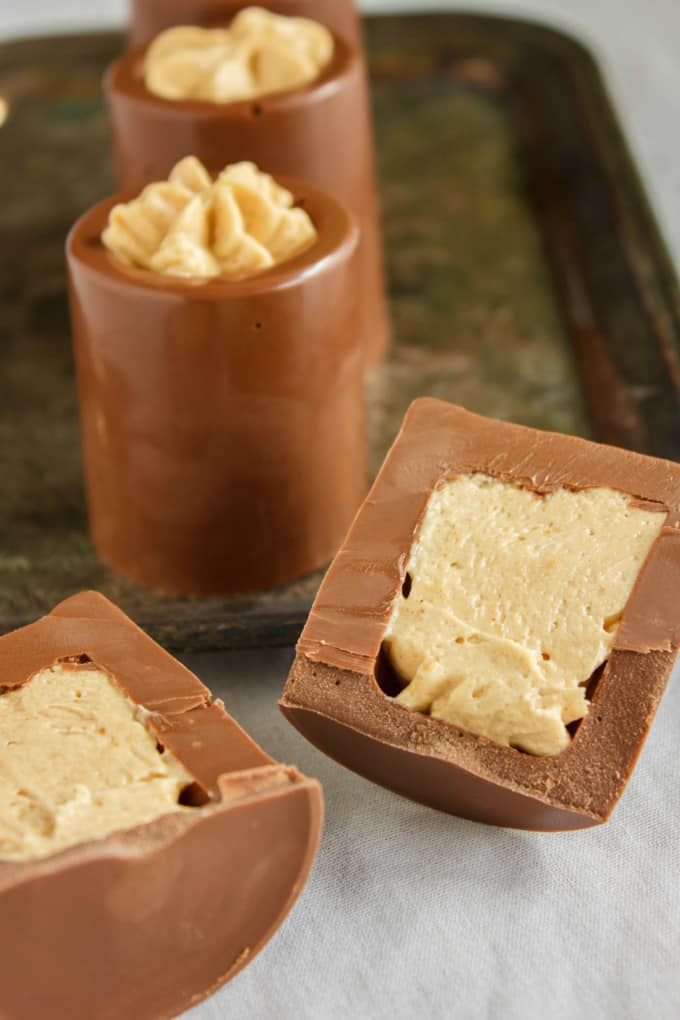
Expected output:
(335, 693)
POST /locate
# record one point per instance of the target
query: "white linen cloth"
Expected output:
(410, 913)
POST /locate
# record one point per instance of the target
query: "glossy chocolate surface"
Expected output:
(320, 134)
(336, 694)
(149, 17)
(148, 921)
(222, 422)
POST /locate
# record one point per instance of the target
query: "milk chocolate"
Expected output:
(336, 692)
(149, 17)
(222, 421)
(148, 921)
(320, 133)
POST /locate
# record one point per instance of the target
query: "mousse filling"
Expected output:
(194, 227)
(78, 763)
(259, 54)
(511, 602)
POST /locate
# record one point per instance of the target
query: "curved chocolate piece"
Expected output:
(149, 17)
(222, 422)
(320, 133)
(148, 921)
(335, 691)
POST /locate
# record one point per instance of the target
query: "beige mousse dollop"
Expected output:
(259, 54)
(191, 226)
(514, 602)
(77, 763)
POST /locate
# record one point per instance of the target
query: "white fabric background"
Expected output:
(411, 914)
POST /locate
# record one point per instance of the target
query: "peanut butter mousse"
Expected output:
(259, 54)
(77, 763)
(512, 602)
(193, 226)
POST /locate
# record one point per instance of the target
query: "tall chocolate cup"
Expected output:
(149, 17)
(320, 133)
(222, 422)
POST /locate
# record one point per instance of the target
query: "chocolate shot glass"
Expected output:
(320, 133)
(222, 422)
(150, 17)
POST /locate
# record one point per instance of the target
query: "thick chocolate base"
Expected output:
(147, 922)
(320, 134)
(149, 17)
(222, 422)
(335, 694)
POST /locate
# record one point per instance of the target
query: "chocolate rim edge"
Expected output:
(336, 233)
(125, 77)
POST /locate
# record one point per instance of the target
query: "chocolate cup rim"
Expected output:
(124, 77)
(145, 838)
(337, 237)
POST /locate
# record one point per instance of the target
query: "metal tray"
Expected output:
(527, 278)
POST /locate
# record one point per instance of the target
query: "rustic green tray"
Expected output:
(527, 278)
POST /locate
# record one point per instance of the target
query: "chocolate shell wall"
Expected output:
(338, 691)
(147, 922)
(222, 422)
(320, 134)
(149, 17)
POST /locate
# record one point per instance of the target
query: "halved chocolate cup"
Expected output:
(320, 133)
(222, 422)
(338, 692)
(150, 17)
(146, 922)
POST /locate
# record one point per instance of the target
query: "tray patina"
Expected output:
(527, 280)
